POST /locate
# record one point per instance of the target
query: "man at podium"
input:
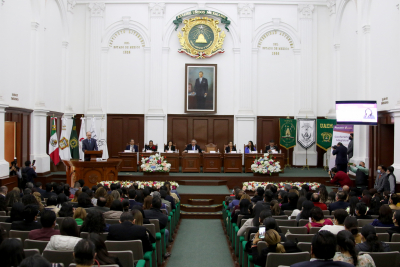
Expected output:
(89, 144)
(132, 147)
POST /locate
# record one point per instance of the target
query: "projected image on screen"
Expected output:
(356, 112)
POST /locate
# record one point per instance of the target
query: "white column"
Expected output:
(156, 55)
(156, 128)
(96, 30)
(66, 107)
(245, 11)
(35, 67)
(332, 9)
(306, 36)
(165, 55)
(4, 165)
(396, 148)
(38, 140)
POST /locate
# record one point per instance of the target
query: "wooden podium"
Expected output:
(129, 161)
(93, 155)
(250, 157)
(212, 162)
(190, 162)
(92, 172)
(173, 159)
(233, 162)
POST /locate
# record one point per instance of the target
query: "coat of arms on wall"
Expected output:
(201, 37)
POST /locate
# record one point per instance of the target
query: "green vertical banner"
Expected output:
(287, 133)
(73, 141)
(325, 133)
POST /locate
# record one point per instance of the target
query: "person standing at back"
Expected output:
(341, 157)
(28, 173)
(381, 173)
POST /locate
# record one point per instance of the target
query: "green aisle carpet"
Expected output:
(200, 243)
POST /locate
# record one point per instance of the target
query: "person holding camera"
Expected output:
(341, 157)
(14, 169)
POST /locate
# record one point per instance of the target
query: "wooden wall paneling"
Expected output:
(120, 129)
(179, 132)
(9, 140)
(200, 131)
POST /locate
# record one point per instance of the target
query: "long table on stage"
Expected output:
(92, 172)
(250, 157)
(212, 162)
(233, 162)
(173, 159)
(190, 162)
(129, 161)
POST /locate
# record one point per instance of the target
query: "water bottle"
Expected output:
(260, 150)
(218, 150)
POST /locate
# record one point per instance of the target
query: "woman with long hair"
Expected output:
(61, 199)
(370, 242)
(275, 208)
(282, 197)
(351, 209)
(137, 216)
(323, 193)
(375, 205)
(299, 206)
(84, 201)
(80, 215)
(12, 197)
(244, 206)
(385, 217)
(116, 195)
(11, 252)
(250, 147)
(273, 239)
(76, 196)
(94, 223)
(67, 210)
(147, 202)
(102, 255)
(347, 251)
(109, 201)
(16, 213)
(38, 197)
(270, 223)
(100, 192)
(361, 211)
(351, 225)
(305, 211)
(69, 236)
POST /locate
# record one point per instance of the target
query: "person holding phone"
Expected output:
(28, 173)
(272, 238)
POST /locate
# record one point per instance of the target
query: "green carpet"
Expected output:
(208, 189)
(200, 243)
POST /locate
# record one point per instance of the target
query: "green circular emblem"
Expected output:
(201, 37)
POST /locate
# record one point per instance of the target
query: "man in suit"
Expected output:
(350, 147)
(340, 202)
(29, 214)
(132, 147)
(101, 205)
(128, 230)
(380, 178)
(89, 144)
(271, 147)
(132, 199)
(193, 146)
(323, 249)
(341, 156)
(151, 146)
(201, 89)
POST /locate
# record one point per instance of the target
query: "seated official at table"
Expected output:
(151, 146)
(230, 148)
(250, 147)
(271, 147)
(193, 146)
(132, 147)
(169, 147)
(89, 144)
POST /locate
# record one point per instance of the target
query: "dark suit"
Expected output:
(341, 158)
(28, 173)
(24, 226)
(157, 214)
(227, 149)
(133, 202)
(153, 148)
(338, 205)
(166, 148)
(89, 146)
(267, 148)
(128, 147)
(190, 147)
(321, 263)
(128, 231)
(97, 208)
(201, 88)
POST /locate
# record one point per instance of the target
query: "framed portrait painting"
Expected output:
(200, 88)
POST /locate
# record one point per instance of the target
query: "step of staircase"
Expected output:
(201, 208)
(201, 215)
(203, 182)
(201, 202)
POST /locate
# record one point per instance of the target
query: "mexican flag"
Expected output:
(73, 141)
(53, 143)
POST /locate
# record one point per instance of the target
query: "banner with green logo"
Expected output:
(73, 141)
(325, 133)
(287, 133)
